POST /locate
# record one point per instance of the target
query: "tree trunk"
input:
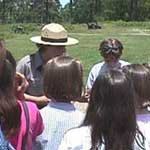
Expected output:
(71, 11)
(133, 10)
(4, 11)
(46, 12)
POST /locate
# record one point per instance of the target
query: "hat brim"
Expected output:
(70, 41)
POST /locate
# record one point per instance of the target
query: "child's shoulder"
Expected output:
(98, 65)
(124, 63)
(31, 106)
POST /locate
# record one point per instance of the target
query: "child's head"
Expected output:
(111, 111)
(2, 44)
(111, 50)
(10, 112)
(7, 70)
(112, 95)
(140, 76)
(2, 52)
(63, 79)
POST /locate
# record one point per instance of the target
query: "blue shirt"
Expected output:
(58, 117)
(4, 144)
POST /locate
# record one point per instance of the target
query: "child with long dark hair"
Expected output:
(110, 121)
(12, 113)
(4, 144)
(140, 76)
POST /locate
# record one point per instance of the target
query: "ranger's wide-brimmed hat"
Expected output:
(54, 34)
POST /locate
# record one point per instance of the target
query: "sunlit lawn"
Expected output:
(136, 43)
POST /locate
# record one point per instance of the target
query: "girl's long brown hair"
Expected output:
(111, 112)
(10, 111)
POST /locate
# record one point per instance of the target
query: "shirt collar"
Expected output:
(62, 105)
(116, 65)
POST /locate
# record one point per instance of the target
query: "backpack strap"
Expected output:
(26, 112)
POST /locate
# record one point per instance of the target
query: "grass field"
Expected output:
(134, 36)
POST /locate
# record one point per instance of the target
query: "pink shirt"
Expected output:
(36, 127)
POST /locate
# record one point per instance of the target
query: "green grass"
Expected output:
(136, 47)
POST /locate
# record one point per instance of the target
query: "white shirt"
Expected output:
(80, 139)
(101, 68)
(58, 117)
(143, 121)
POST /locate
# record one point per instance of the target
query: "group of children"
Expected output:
(117, 117)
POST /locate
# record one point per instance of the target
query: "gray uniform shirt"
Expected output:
(32, 68)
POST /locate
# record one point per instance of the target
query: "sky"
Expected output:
(63, 2)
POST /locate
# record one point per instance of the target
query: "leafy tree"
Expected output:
(134, 11)
(29, 10)
(83, 11)
(77, 11)
(115, 9)
(144, 9)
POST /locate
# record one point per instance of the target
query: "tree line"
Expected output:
(76, 11)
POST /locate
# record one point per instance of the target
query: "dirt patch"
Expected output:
(142, 32)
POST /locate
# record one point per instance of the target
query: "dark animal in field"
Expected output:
(18, 29)
(93, 26)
